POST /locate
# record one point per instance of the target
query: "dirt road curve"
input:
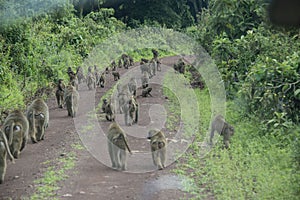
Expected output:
(89, 179)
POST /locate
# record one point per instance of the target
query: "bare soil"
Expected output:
(89, 179)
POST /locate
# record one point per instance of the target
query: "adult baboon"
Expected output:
(155, 53)
(97, 78)
(158, 144)
(91, 81)
(71, 97)
(125, 60)
(80, 75)
(117, 146)
(123, 96)
(179, 66)
(146, 92)
(145, 80)
(102, 80)
(132, 86)
(38, 118)
(116, 75)
(131, 111)
(60, 93)
(145, 68)
(74, 82)
(223, 128)
(16, 129)
(4, 150)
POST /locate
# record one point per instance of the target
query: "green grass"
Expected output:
(255, 166)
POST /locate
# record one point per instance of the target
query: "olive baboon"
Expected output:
(223, 128)
(4, 150)
(113, 66)
(16, 129)
(123, 98)
(104, 103)
(60, 93)
(107, 70)
(71, 97)
(145, 68)
(38, 118)
(74, 82)
(125, 60)
(152, 66)
(131, 61)
(158, 145)
(117, 146)
(158, 65)
(179, 66)
(155, 53)
(116, 75)
(146, 92)
(145, 80)
(109, 112)
(131, 110)
(80, 75)
(132, 86)
(102, 80)
(91, 81)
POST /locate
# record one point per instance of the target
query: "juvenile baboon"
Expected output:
(145, 80)
(158, 144)
(116, 75)
(60, 93)
(71, 97)
(102, 80)
(38, 118)
(132, 86)
(131, 111)
(91, 81)
(104, 103)
(146, 92)
(152, 66)
(109, 112)
(16, 129)
(117, 146)
(223, 128)
(4, 150)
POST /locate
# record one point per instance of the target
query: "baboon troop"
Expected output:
(117, 146)
(223, 128)
(71, 97)
(16, 129)
(60, 93)
(4, 150)
(38, 118)
(158, 144)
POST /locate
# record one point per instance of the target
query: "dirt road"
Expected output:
(89, 178)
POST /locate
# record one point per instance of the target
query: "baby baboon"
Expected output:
(60, 93)
(146, 92)
(145, 79)
(132, 86)
(38, 118)
(91, 81)
(102, 80)
(116, 75)
(223, 128)
(109, 112)
(158, 145)
(117, 146)
(71, 97)
(4, 150)
(131, 111)
(16, 129)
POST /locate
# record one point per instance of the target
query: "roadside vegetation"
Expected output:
(259, 63)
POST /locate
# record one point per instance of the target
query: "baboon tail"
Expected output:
(11, 133)
(10, 156)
